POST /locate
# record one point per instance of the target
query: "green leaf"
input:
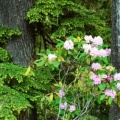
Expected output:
(102, 86)
(102, 97)
(56, 64)
(40, 63)
(110, 100)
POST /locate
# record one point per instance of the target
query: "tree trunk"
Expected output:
(114, 113)
(12, 15)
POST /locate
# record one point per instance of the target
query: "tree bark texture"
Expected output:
(13, 15)
(114, 113)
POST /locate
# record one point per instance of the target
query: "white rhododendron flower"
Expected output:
(88, 38)
(69, 45)
(98, 40)
(52, 57)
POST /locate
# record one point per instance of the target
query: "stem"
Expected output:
(59, 110)
(84, 109)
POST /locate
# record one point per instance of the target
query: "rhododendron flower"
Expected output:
(110, 93)
(109, 78)
(97, 40)
(69, 45)
(63, 105)
(118, 86)
(117, 76)
(108, 51)
(104, 76)
(87, 47)
(96, 66)
(102, 53)
(52, 57)
(61, 93)
(72, 108)
(88, 38)
(94, 52)
(96, 79)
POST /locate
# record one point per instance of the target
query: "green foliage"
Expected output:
(7, 33)
(17, 89)
(72, 17)
(4, 55)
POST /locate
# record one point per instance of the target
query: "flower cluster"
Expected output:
(117, 76)
(51, 57)
(96, 66)
(69, 45)
(110, 93)
(65, 105)
(91, 47)
(96, 79)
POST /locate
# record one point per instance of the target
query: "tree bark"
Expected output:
(13, 14)
(114, 113)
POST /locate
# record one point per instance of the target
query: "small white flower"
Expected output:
(52, 57)
(69, 45)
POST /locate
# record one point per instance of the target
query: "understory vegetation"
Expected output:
(58, 84)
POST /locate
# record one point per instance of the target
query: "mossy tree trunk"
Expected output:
(114, 113)
(13, 15)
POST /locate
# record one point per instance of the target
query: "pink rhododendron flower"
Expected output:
(52, 57)
(87, 47)
(69, 45)
(102, 53)
(96, 66)
(118, 86)
(72, 108)
(94, 52)
(63, 105)
(61, 93)
(88, 38)
(93, 76)
(108, 51)
(97, 40)
(109, 78)
(117, 76)
(110, 93)
(96, 79)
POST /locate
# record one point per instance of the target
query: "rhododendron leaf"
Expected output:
(56, 64)
(60, 83)
(110, 100)
(70, 37)
(102, 97)
(48, 51)
(118, 101)
(80, 84)
(105, 59)
(88, 61)
(51, 97)
(102, 86)
(28, 71)
(40, 63)
(82, 55)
